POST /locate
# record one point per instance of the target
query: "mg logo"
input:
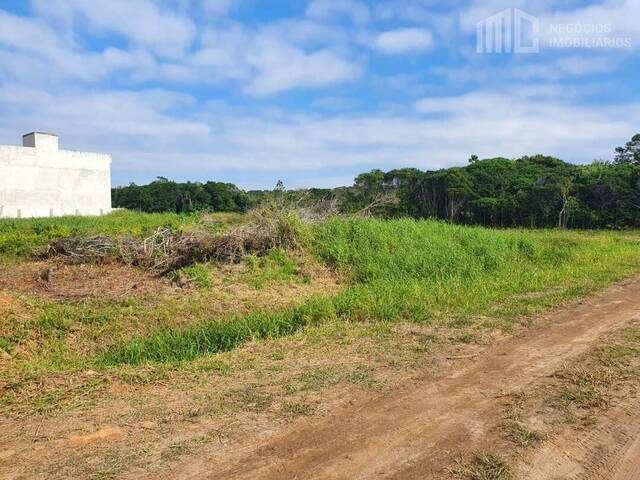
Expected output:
(509, 31)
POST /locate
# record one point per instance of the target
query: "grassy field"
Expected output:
(351, 270)
(214, 349)
(421, 272)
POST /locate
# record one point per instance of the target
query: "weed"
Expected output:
(524, 436)
(298, 409)
(176, 450)
(53, 323)
(6, 345)
(276, 266)
(251, 399)
(199, 274)
(486, 466)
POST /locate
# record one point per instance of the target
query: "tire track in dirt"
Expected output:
(611, 451)
(415, 432)
(629, 467)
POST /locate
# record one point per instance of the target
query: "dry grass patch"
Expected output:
(484, 466)
(108, 281)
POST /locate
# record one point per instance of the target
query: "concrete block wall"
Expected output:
(40, 180)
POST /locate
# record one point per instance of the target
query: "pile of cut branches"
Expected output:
(167, 250)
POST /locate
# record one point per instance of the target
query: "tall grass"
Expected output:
(418, 271)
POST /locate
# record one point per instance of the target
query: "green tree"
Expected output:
(630, 153)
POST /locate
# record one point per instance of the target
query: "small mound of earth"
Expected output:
(76, 282)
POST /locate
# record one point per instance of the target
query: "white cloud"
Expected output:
(539, 68)
(56, 74)
(162, 132)
(568, 66)
(327, 9)
(335, 103)
(404, 40)
(219, 7)
(621, 15)
(266, 60)
(283, 67)
(31, 51)
(120, 115)
(528, 120)
(272, 59)
(143, 22)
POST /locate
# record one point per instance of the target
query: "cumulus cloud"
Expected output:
(328, 9)
(147, 138)
(265, 60)
(563, 66)
(272, 59)
(282, 67)
(219, 7)
(621, 15)
(32, 51)
(143, 22)
(404, 40)
(83, 69)
(526, 120)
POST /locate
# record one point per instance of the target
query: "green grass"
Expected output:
(19, 237)
(423, 270)
(200, 274)
(417, 271)
(274, 267)
(214, 336)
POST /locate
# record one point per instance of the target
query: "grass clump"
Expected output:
(589, 385)
(524, 436)
(486, 466)
(426, 270)
(199, 274)
(274, 267)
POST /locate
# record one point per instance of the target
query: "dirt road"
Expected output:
(413, 433)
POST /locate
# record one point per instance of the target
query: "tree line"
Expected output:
(164, 195)
(532, 191)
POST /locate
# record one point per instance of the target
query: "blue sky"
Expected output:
(314, 91)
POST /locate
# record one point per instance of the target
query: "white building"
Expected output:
(40, 180)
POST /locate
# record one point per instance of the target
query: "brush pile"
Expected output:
(167, 250)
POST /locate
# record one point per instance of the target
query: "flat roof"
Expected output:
(40, 133)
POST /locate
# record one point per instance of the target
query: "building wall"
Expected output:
(43, 181)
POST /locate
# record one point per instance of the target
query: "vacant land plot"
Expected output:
(110, 370)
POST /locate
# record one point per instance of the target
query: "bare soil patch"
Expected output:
(608, 451)
(109, 281)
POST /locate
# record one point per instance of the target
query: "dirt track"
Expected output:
(611, 451)
(415, 432)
